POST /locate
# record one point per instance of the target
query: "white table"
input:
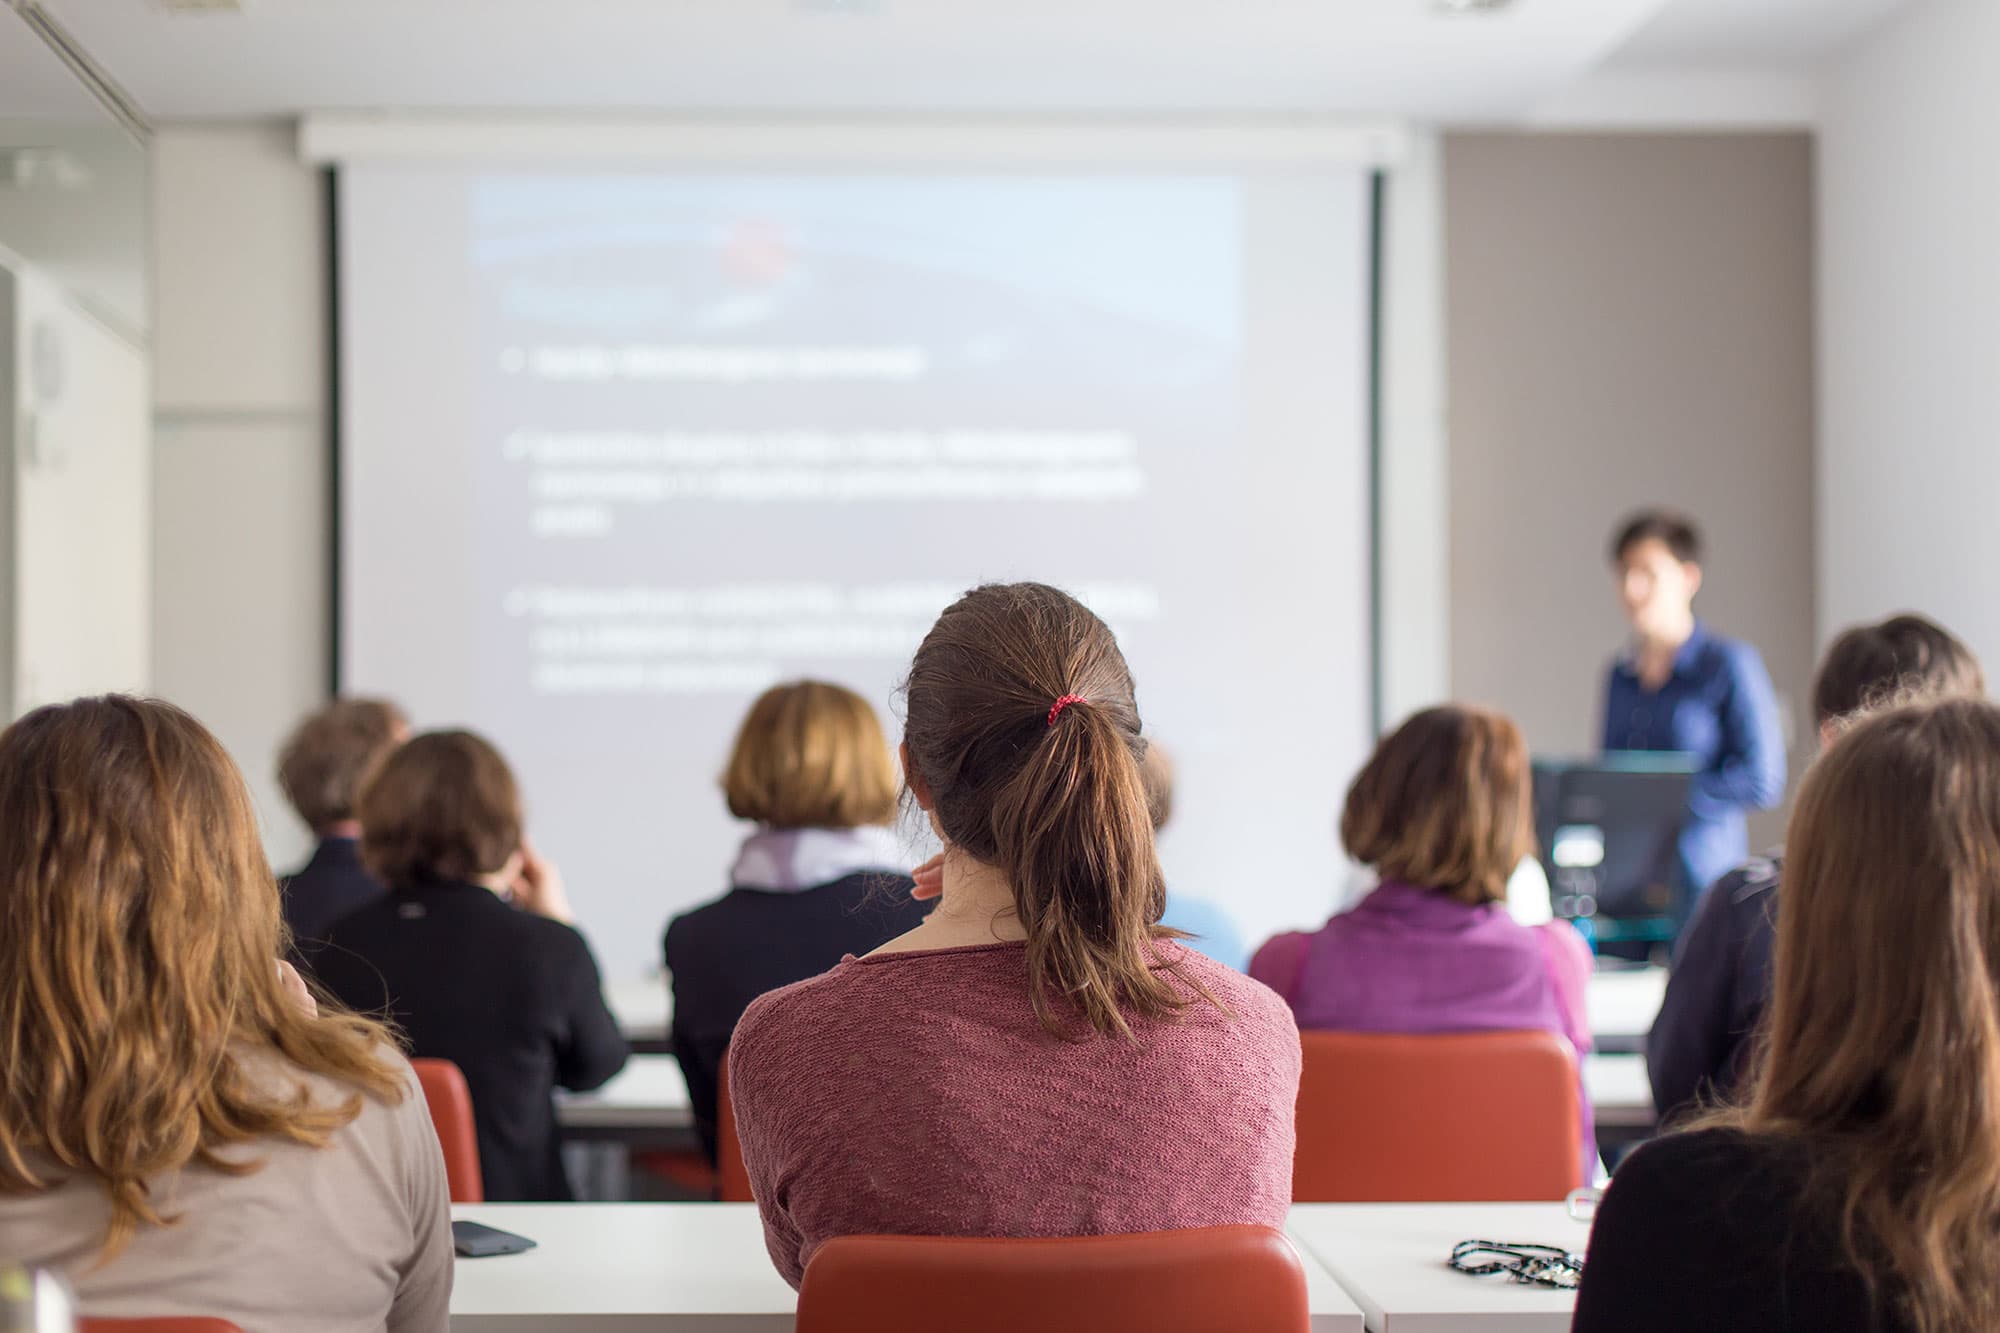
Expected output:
(1391, 1258)
(1623, 1005)
(622, 1267)
(673, 1268)
(1619, 1091)
(647, 1095)
(642, 1008)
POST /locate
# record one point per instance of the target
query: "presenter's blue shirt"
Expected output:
(1718, 706)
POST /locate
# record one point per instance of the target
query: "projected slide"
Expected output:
(621, 450)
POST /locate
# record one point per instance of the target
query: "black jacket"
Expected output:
(1714, 1231)
(725, 954)
(511, 998)
(327, 888)
(1717, 993)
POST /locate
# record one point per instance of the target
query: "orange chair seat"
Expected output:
(451, 1115)
(1445, 1118)
(1245, 1279)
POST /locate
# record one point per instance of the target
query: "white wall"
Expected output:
(241, 522)
(1909, 325)
(74, 444)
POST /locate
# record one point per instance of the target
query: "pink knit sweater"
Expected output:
(916, 1094)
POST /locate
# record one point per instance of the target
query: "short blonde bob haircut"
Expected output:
(811, 755)
(1446, 803)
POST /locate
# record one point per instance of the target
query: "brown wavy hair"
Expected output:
(442, 806)
(1445, 803)
(1058, 806)
(139, 939)
(1882, 1055)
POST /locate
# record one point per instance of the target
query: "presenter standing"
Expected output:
(1680, 687)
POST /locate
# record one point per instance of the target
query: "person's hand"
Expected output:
(294, 987)
(540, 889)
(930, 879)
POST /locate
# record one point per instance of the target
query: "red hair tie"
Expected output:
(1063, 703)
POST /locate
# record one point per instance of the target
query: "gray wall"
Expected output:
(1629, 320)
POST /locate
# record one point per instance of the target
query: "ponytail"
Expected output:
(1076, 842)
(1023, 727)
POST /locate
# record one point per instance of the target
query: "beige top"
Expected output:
(352, 1236)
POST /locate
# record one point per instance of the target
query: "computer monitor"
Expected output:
(1609, 831)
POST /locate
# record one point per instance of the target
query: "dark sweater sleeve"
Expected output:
(700, 1061)
(1691, 1043)
(590, 1048)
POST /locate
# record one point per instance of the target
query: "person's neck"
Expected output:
(350, 829)
(1660, 646)
(1670, 637)
(976, 907)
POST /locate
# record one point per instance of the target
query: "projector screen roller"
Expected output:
(622, 448)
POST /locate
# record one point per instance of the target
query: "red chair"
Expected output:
(451, 1115)
(170, 1324)
(732, 1178)
(1449, 1118)
(1241, 1278)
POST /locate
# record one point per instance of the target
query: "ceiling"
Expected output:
(1740, 34)
(33, 83)
(1377, 57)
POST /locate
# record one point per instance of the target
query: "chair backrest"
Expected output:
(1446, 1118)
(168, 1324)
(732, 1178)
(451, 1115)
(1243, 1278)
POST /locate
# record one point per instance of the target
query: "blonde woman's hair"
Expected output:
(811, 755)
(139, 939)
(1882, 1055)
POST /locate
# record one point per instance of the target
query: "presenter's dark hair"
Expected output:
(1902, 659)
(1675, 531)
(1052, 798)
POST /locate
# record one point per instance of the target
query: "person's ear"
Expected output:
(913, 778)
(1693, 578)
(1829, 732)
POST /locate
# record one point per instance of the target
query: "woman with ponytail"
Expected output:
(1040, 1057)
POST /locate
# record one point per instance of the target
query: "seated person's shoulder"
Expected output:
(1721, 1173)
(802, 1021)
(548, 938)
(1754, 878)
(1247, 1000)
(693, 930)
